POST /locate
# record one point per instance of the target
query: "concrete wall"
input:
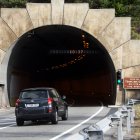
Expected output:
(113, 32)
(131, 64)
(18, 82)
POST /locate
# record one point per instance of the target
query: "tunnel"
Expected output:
(66, 58)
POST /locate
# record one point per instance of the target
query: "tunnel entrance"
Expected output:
(64, 57)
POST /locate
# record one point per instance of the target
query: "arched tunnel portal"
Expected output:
(64, 57)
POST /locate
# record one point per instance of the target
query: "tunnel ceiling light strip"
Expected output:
(75, 60)
(85, 45)
(81, 57)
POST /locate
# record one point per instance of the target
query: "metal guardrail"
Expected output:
(97, 131)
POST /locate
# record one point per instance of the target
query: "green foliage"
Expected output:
(134, 35)
(19, 3)
(40, 1)
(105, 3)
(12, 3)
(135, 30)
(121, 10)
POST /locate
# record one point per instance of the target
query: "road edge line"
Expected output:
(71, 129)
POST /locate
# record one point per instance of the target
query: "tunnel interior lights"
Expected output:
(85, 43)
(80, 57)
(76, 60)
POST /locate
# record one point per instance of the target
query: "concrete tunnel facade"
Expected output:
(44, 48)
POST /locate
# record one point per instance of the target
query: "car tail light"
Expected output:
(17, 102)
(50, 100)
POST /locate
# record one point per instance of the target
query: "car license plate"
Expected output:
(32, 105)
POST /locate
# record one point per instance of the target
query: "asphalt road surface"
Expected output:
(79, 118)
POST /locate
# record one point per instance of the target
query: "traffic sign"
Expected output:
(131, 83)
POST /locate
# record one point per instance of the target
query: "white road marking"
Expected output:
(6, 122)
(71, 129)
(11, 123)
(4, 119)
(7, 126)
(4, 110)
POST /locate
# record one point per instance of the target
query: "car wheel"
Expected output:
(65, 116)
(19, 122)
(55, 117)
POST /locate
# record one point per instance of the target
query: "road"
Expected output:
(79, 117)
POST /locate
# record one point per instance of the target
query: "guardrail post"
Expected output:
(120, 131)
(93, 132)
(132, 112)
(128, 121)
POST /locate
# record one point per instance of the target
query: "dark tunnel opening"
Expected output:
(64, 57)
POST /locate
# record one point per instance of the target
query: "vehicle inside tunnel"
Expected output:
(66, 58)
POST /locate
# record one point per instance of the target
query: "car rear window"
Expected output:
(32, 94)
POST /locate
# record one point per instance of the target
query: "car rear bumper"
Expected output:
(33, 113)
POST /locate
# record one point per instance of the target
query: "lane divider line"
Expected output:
(7, 122)
(7, 126)
(71, 129)
(11, 118)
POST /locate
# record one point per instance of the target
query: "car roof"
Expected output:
(38, 88)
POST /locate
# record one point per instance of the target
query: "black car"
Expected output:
(40, 104)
